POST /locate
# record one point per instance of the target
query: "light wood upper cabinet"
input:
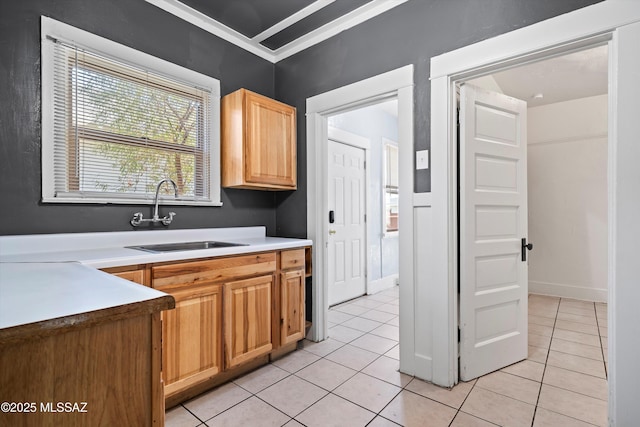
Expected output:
(258, 142)
(247, 319)
(192, 337)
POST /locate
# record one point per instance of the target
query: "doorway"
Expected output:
(369, 263)
(565, 136)
(616, 23)
(399, 84)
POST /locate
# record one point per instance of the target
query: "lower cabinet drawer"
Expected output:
(215, 270)
(292, 259)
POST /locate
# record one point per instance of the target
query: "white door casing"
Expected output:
(347, 234)
(493, 220)
(415, 347)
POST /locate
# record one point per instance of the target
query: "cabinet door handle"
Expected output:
(332, 231)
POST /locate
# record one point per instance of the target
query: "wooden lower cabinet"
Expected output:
(104, 371)
(136, 274)
(231, 315)
(192, 337)
(292, 320)
(247, 319)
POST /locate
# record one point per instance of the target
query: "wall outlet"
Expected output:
(422, 159)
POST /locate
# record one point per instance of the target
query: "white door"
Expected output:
(493, 222)
(346, 218)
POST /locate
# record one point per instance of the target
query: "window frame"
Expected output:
(51, 28)
(386, 142)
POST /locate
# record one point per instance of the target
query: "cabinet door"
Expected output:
(247, 317)
(136, 276)
(132, 273)
(270, 142)
(191, 337)
(292, 306)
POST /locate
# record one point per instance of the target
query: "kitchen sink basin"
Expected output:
(185, 246)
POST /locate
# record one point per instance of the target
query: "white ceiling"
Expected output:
(573, 76)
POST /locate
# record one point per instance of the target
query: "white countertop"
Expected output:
(50, 276)
(35, 292)
(120, 256)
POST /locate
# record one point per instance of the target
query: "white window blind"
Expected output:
(119, 129)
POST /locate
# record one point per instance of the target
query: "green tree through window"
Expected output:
(147, 130)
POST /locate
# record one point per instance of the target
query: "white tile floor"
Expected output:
(351, 379)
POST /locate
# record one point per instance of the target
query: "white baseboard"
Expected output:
(386, 282)
(568, 291)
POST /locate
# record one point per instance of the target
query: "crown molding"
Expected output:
(252, 45)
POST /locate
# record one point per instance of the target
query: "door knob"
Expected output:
(525, 247)
(332, 231)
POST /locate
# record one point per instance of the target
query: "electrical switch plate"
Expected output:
(422, 159)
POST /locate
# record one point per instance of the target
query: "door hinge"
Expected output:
(365, 217)
(458, 334)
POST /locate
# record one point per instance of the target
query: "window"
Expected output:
(390, 190)
(117, 121)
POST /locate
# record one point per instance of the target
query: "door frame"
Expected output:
(398, 84)
(590, 26)
(357, 141)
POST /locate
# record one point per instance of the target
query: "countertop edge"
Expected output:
(45, 328)
(153, 258)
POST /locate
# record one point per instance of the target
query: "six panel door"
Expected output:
(346, 243)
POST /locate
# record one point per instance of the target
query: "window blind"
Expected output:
(120, 129)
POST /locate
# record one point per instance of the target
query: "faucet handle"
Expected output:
(167, 220)
(137, 219)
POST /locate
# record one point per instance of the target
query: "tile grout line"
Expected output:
(187, 409)
(401, 388)
(606, 370)
(357, 372)
(544, 370)
(560, 388)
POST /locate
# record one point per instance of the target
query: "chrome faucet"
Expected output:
(165, 220)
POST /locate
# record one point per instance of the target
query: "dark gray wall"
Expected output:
(137, 24)
(408, 34)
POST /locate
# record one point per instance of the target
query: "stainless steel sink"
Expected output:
(185, 246)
